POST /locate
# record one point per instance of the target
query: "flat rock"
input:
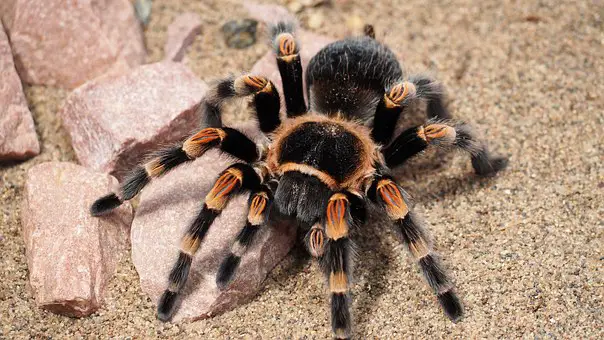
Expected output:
(70, 255)
(66, 43)
(18, 139)
(167, 207)
(181, 34)
(115, 120)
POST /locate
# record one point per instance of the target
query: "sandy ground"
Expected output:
(526, 249)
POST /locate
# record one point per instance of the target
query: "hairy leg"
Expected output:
(258, 207)
(391, 198)
(265, 99)
(443, 134)
(226, 139)
(290, 67)
(234, 180)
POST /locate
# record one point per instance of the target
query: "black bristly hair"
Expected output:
(321, 166)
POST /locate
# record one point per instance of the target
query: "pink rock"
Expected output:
(70, 255)
(167, 207)
(18, 139)
(269, 14)
(115, 120)
(181, 34)
(66, 43)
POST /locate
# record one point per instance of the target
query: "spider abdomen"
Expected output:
(349, 77)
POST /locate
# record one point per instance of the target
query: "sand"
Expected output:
(525, 249)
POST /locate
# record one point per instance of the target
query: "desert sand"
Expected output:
(525, 249)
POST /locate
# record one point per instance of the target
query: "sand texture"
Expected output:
(525, 249)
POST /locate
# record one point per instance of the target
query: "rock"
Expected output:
(269, 14)
(166, 208)
(115, 120)
(181, 34)
(18, 139)
(142, 9)
(240, 33)
(70, 255)
(66, 43)
(310, 44)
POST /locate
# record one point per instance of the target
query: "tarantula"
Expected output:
(322, 165)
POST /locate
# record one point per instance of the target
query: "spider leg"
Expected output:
(432, 92)
(226, 139)
(398, 96)
(265, 99)
(234, 180)
(258, 205)
(329, 241)
(290, 67)
(389, 108)
(415, 140)
(391, 198)
(412, 141)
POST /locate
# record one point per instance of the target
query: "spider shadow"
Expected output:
(297, 260)
(374, 263)
(429, 167)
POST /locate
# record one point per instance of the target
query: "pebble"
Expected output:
(240, 33)
(142, 9)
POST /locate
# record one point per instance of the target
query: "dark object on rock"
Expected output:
(70, 255)
(240, 33)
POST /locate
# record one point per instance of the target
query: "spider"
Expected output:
(322, 165)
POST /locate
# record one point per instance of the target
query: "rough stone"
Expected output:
(114, 121)
(240, 33)
(66, 43)
(70, 255)
(18, 139)
(181, 34)
(167, 206)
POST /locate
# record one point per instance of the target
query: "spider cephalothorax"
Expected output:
(322, 165)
